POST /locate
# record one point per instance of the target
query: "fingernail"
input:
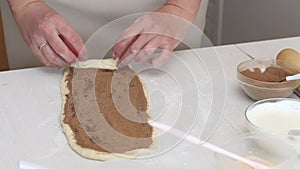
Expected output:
(82, 58)
(153, 63)
(134, 51)
(120, 65)
(114, 55)
(149, 51)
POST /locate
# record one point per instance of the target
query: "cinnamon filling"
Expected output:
(106, 110)
(271, 74)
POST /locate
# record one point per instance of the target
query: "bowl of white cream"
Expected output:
(279, 117)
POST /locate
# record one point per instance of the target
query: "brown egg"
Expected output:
(289, 55)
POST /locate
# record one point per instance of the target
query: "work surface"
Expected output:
(31, 107)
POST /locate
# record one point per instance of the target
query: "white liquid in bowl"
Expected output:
(276, 120)
(277, 117)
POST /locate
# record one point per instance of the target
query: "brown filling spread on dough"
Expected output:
(131, 124)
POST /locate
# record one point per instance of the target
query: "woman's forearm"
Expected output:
(17, 6)
(187, 9)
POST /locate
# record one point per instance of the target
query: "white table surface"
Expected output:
(269, 48)
(31, 107)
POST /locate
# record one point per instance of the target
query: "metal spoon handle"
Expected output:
(293, 77)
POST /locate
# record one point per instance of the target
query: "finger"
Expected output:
(45, 61)
(151, 47)
(148, 50)
(37, 51)
(83, 54)
(52, 57)
(127, 38)
(73, 42)
(141, 57)
(60, 48)
(120, 47)
(161, 59)
(126, 60)
(144, 54)
(134, 48)
(168, 44)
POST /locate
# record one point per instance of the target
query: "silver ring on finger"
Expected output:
(42, 45)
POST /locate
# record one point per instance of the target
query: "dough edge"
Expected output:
(90, 153)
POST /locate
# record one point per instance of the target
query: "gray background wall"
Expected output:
(234, 21)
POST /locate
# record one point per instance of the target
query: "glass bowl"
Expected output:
(258, 90)
(290, 164)
(261, 118)
(252, 146)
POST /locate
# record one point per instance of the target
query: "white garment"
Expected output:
(86, 17)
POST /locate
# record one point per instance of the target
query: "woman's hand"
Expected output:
(161, 30)
(48, 35)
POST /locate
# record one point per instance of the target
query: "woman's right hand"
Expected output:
(48, 35)
(161, 30)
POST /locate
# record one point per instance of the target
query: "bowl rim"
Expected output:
(263, 129)
(297, 82)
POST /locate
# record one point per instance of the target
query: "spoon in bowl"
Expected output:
(293, 77)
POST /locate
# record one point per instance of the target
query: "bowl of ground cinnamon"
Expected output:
(265, 78)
